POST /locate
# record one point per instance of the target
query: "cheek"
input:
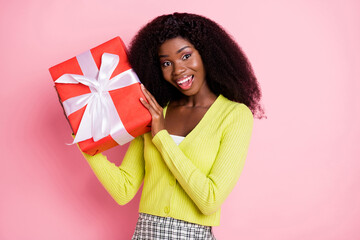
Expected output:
(196, 64)
(166, 74)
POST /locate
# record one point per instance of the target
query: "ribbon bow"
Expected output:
(100, 117)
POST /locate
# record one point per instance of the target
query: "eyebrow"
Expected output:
(178, 51)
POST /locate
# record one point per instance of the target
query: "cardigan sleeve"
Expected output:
(122, 182)
(209, 191)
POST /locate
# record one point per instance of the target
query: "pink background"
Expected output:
(301, 179)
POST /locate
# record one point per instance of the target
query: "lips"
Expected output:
(185, 82)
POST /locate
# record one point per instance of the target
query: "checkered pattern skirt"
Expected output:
(152, 227)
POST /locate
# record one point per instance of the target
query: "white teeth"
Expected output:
(184, 80)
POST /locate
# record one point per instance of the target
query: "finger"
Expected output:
(153, 111)
(152, 103)
(145, 103)
(147, 94)
(149, 97)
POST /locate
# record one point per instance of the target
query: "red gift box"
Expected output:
(100, 94)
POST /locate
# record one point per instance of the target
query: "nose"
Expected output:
(178, 68)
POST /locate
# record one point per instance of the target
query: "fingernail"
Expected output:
(141, 99)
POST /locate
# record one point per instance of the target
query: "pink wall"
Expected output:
(301, 179)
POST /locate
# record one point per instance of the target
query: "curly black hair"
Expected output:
(228, 71)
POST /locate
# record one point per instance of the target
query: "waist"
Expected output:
(169, 221)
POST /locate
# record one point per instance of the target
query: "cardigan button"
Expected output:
(166, 209)
(172, 182)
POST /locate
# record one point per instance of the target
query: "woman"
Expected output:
(202, 94)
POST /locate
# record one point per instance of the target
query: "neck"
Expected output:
(204, 98)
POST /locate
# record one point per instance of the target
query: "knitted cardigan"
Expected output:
(188, 181)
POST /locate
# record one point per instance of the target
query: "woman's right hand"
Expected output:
(156, 111)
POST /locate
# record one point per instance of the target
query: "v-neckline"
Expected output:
(198, 125)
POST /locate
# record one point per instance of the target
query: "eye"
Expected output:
(186, 56)
(165, 64)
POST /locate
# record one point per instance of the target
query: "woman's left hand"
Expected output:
(156, 111)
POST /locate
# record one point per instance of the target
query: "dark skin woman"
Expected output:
(182, 67)
(202, 95)
(228, 71)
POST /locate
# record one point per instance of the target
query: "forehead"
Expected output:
(171, 46)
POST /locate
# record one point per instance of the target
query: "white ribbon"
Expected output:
(100, 117)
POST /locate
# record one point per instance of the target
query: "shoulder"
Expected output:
(235, 119)
(234, 110)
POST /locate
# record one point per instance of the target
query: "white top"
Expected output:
(177, 139)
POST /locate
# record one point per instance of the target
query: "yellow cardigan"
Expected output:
(189, 181)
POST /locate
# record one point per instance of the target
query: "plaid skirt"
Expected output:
(150, 227)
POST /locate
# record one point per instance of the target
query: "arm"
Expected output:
(124, 181)
(209, 191)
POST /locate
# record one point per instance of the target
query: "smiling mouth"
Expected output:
(185, 82)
